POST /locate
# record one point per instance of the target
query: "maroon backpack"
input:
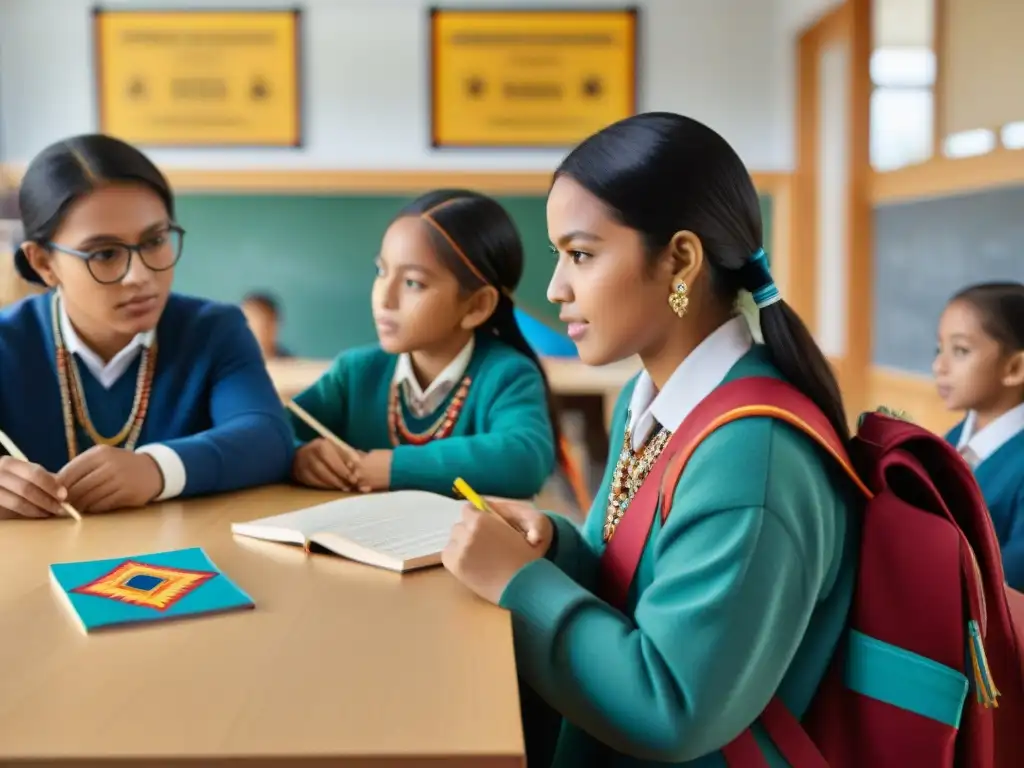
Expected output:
(931, 615)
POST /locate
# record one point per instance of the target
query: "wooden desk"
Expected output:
(338, 664)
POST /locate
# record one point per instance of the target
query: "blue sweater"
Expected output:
(1001, 479)
(212, 401)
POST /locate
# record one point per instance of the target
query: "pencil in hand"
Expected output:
(462, 489)
(319, 428)
(15, 453)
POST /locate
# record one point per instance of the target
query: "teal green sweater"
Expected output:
(502, 443)
(743, 593)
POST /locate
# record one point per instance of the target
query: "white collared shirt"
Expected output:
(421, 403)
(695, 378)
(975, 447)
(107, 374)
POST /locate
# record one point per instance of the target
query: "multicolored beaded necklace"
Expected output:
(401, 434)
(72, 394)
(631, 470)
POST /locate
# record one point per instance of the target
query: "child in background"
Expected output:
(979, 368)
(119, 391)
(263, 313)
(452, 389)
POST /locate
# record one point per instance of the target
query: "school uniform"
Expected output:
(213, 420)
(996, 454)
(742, 593)
(484, 418)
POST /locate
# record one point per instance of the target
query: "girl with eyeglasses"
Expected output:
(118, 391)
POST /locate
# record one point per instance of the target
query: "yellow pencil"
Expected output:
(16, 453)
(462, 488)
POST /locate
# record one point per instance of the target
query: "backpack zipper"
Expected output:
(984, 686)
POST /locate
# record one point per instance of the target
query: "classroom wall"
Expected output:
(727, 62)
(316, 254)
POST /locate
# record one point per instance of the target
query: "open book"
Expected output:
(400, 530)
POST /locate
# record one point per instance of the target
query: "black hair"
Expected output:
(1000, 307)
(660, 173)
(63, 172)
(482, 231)
(265, 300)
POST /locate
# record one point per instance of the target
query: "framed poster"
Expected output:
(529, 78)
(199, 78)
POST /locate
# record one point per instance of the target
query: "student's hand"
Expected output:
(375, 471)
(535, 525)
(105, 478)
(321, 463)
(484, 553)
(28, 490)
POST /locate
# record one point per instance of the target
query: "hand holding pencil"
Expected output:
(485, 551)
(326, 463)
(28, 490)
(520, 516)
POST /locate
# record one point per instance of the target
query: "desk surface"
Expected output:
(568, 376)
(338, 664)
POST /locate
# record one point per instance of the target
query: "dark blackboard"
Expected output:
(315, 253)
(928, 250)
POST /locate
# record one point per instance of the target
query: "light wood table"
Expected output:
(338, 664)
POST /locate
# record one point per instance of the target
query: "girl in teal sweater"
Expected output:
(979, 368)
(453, 389)
(742, 593)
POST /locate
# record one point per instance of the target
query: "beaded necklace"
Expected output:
(631, 470)
(399, 431)
(72, 394)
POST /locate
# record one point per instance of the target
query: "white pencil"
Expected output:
(16, 453)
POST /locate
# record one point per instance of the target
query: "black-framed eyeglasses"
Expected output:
(110, 263)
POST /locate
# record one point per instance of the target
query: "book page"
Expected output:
(402, 524)
(303, 523)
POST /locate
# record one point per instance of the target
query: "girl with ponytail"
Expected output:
(452, 389)
(739, 594)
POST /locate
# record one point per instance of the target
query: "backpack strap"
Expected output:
(622, 554)
(741, 398)
(760, 397)
(624, 550)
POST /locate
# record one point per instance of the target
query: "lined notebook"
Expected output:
(400, 531)
(145, 588)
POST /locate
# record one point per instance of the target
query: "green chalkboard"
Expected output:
(315, 253)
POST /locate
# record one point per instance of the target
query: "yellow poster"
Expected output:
(199, 78)
(530, 78)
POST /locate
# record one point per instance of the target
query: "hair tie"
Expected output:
(757, 278)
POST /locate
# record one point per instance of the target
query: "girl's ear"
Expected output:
(684, 257)
(41, 260)
(1013, 374)
(479, 307)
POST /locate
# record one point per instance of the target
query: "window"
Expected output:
(902, 112)
(1013, 136)
(969, 143)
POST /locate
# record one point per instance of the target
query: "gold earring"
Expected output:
(678, 299)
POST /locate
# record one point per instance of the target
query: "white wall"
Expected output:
(726, 62)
